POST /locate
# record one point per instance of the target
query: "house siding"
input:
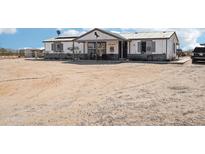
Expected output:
(159, 53)
(171, 52)
(47, 46)
(110, 44)
(160, 46)
(67, 46)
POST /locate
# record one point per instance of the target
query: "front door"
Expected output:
(125, 49)
(96, 50)
(122, 46)
(91, 50)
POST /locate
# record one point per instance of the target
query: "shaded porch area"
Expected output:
(102, 45)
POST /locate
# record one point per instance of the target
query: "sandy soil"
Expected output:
(61, 93)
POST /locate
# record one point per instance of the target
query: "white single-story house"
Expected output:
(101, 44)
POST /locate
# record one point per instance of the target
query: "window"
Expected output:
(101, 45)
(146, 46)
(57, 47)
(149, 48)
(91, 47)
(101, 48)
(112, 49)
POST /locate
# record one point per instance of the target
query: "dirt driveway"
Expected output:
(61, 93)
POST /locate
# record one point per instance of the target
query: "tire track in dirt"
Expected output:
(22, 79)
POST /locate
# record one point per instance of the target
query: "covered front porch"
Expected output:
(102, 45)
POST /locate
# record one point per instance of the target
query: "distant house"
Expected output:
(101, 44)
(32, 52)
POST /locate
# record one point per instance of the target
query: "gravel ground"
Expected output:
(61, 93)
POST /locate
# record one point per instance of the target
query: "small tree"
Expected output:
(74, 51)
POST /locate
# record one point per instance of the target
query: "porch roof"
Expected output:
(119, 36)
(61, 39)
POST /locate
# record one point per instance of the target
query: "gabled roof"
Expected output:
(118, 36)
(148, 35)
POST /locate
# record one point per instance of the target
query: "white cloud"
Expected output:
(26, 48)
(59, 29)
(87, 29)
(113, 31)
(73, 32)
(41, 48)
(189, 37)
(7, 30)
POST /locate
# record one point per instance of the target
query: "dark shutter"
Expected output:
(148, 46)
(55, 47)
(61, 47)
(139, 46)
(52, 47)
(153, 46)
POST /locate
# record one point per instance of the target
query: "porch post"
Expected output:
(73, 51)
(129, 47)
(83, 47)
(122, 49)
(96, 49)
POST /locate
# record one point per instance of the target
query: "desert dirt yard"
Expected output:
(34, 92)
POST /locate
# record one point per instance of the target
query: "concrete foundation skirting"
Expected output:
(57, 56)
(105, 57)
(79, 56)
(148, 57)
(111, 57)
(64, 56)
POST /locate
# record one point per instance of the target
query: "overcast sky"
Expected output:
(33, 37)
